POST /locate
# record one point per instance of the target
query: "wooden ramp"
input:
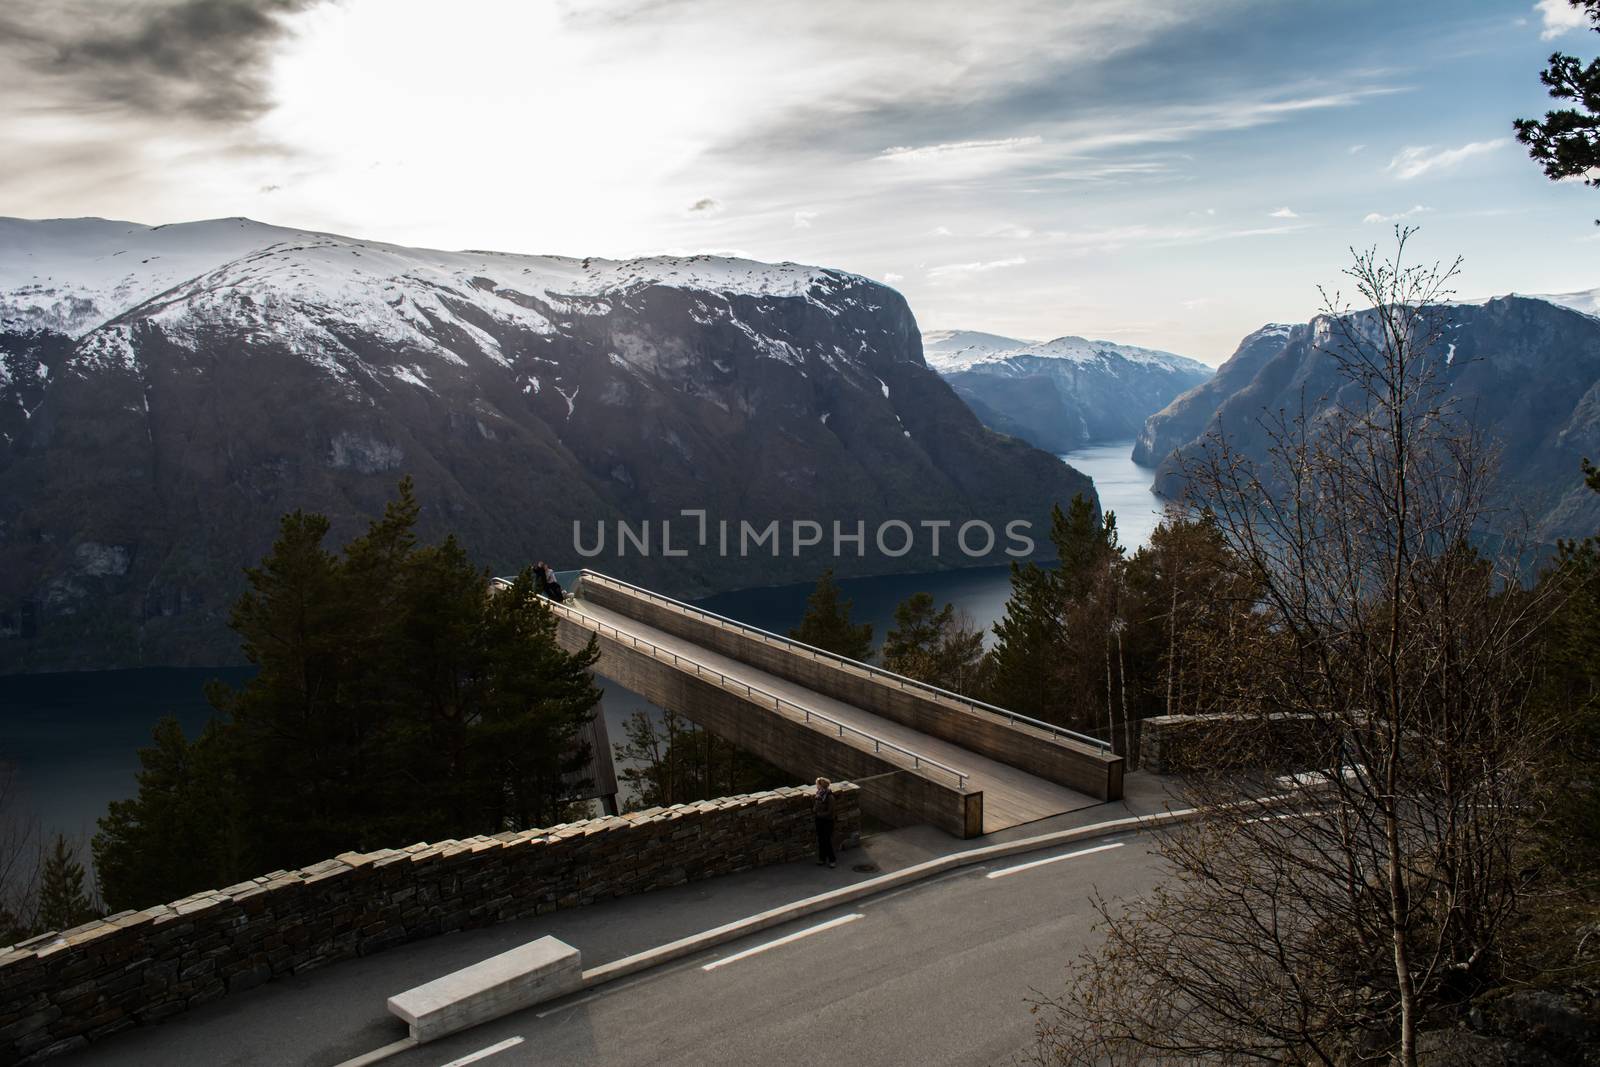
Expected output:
(1010, 796)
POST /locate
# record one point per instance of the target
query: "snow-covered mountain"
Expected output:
(1060, 394)
(167, 392)
(1525, 370)
(1586, 301)
(953, 350)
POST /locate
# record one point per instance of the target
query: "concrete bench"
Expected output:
(529, 974)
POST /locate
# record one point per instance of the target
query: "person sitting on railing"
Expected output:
(547, 582)
(822, 807)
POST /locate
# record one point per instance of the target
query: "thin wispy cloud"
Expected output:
(803, 219)
(926, 153)
(1285, 213)
(1409, 213)
(1416, 160)
(976, 267)
(705, 207)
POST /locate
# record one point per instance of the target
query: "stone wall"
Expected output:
(1185, 744)
(60, 991)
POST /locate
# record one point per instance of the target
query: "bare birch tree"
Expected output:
(1395, 660)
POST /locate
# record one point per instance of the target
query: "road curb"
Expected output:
(655, 957)
(687, 946)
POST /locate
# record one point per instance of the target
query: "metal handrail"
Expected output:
(901, 680)
(778, 703)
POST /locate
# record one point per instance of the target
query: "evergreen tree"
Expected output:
(1567, 141)
(934, 646)
(397, 698)
(1190, 605)
(306, 727)
(63, 903)
(827, 624)
(1022, 664)
(1053, 650)
(181, 833)
(536, 698)
(1571, 686)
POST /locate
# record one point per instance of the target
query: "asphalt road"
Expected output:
(937, 973)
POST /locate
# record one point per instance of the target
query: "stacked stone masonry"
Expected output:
(60, 991)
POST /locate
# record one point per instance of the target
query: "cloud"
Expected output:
(1414, 161)
(1285, 213)
(204, 58)
(976, 267)
(891, 277)
(1559, 16)
(1357, 148)
(1009, 229)
(925, 153)
(705, 208)
(1411, 212)
(802, 219)
(941, 231)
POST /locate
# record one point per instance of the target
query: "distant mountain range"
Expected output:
(167, 392)
(1062, 394)
(1525, 370)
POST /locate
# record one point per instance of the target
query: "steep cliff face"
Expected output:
(1524, 371)
(166, 394)
(1060, 394)
(1184, 419)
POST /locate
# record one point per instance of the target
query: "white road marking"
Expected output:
(797, 935)
(1053, 859)
(1287, 815)
(485, 1053)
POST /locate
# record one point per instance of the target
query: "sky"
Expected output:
(1168, 173)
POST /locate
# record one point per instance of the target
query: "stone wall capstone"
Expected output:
(60, 991)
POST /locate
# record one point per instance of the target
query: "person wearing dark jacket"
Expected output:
(546, 577)
(822, 808)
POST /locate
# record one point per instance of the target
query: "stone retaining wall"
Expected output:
(60, 991)
(1186, 744)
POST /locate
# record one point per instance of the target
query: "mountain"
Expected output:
(1525, 371)
(166, 393)
(1061, 394)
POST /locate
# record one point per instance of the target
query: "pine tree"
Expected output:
(63, 903)
(1053, 648)
(534, 699)
(934, 646)
(827, 624)
(397, 698)
(1567, 141)
(182, 832)
(1022, 665)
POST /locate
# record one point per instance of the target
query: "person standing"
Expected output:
(822, 808)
